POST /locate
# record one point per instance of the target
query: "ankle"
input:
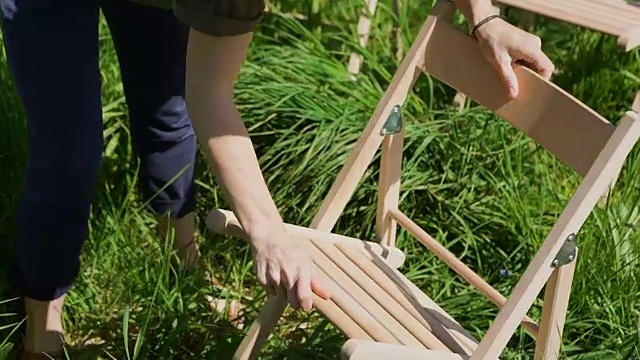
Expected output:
(44, 331)
(185, 229)
(184, 238)
(44, 342)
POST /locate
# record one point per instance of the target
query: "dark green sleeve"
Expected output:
(214, 17)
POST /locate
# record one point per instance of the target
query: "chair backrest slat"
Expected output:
(550, 116)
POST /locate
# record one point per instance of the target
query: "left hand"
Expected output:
(503, 44)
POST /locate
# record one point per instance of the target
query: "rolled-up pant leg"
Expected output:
(151, 47)
(52, 50)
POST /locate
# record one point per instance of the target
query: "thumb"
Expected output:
(509, 78)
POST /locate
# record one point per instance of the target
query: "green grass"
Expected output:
(469, 179)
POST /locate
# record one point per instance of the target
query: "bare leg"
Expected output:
(184, 240)
(44, 326)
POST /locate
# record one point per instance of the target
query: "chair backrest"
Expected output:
(550, 116)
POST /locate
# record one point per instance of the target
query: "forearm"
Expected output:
(475, 10)
(232, 158)
(213, 64)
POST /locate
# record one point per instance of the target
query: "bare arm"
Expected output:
(504, 44)
(213, 64)
(212, 67)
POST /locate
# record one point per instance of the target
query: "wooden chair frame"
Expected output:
(546, 114)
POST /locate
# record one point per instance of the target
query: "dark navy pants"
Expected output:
(52, 48)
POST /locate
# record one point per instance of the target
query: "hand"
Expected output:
(504, 44)
(282, 263)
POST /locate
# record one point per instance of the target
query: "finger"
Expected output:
(509, 78)
(292, 298)
(303, 291)
(273, 276)
(261, 272)
(288, 278)
(289, 283)
(539, 62)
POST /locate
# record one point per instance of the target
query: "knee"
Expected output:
(163, 127)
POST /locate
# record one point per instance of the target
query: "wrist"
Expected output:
(475, 11)
(485, 27)
(262, 229)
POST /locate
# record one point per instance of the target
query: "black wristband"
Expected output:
(482, 22)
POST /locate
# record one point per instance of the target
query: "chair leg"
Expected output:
(261, 328)
(556, 302)
(389, 187)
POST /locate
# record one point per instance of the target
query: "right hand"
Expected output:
(504, 44)
(283, 263)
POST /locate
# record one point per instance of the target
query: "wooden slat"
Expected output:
(406, 328)
(365, 300)
(342, 297)
(371, 350)
(553, 118)
(410, 297)
(225, 222)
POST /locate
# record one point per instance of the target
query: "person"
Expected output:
(62, 167)
(52, 50)
(217, 47)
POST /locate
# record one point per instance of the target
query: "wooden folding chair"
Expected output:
(382, 313)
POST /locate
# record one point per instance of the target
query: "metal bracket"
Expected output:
(567, 252)
(393, 125)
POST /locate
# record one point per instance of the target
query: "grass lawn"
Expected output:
(469, 179)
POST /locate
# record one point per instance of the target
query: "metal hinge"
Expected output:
(567, 252)
(393, 125)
